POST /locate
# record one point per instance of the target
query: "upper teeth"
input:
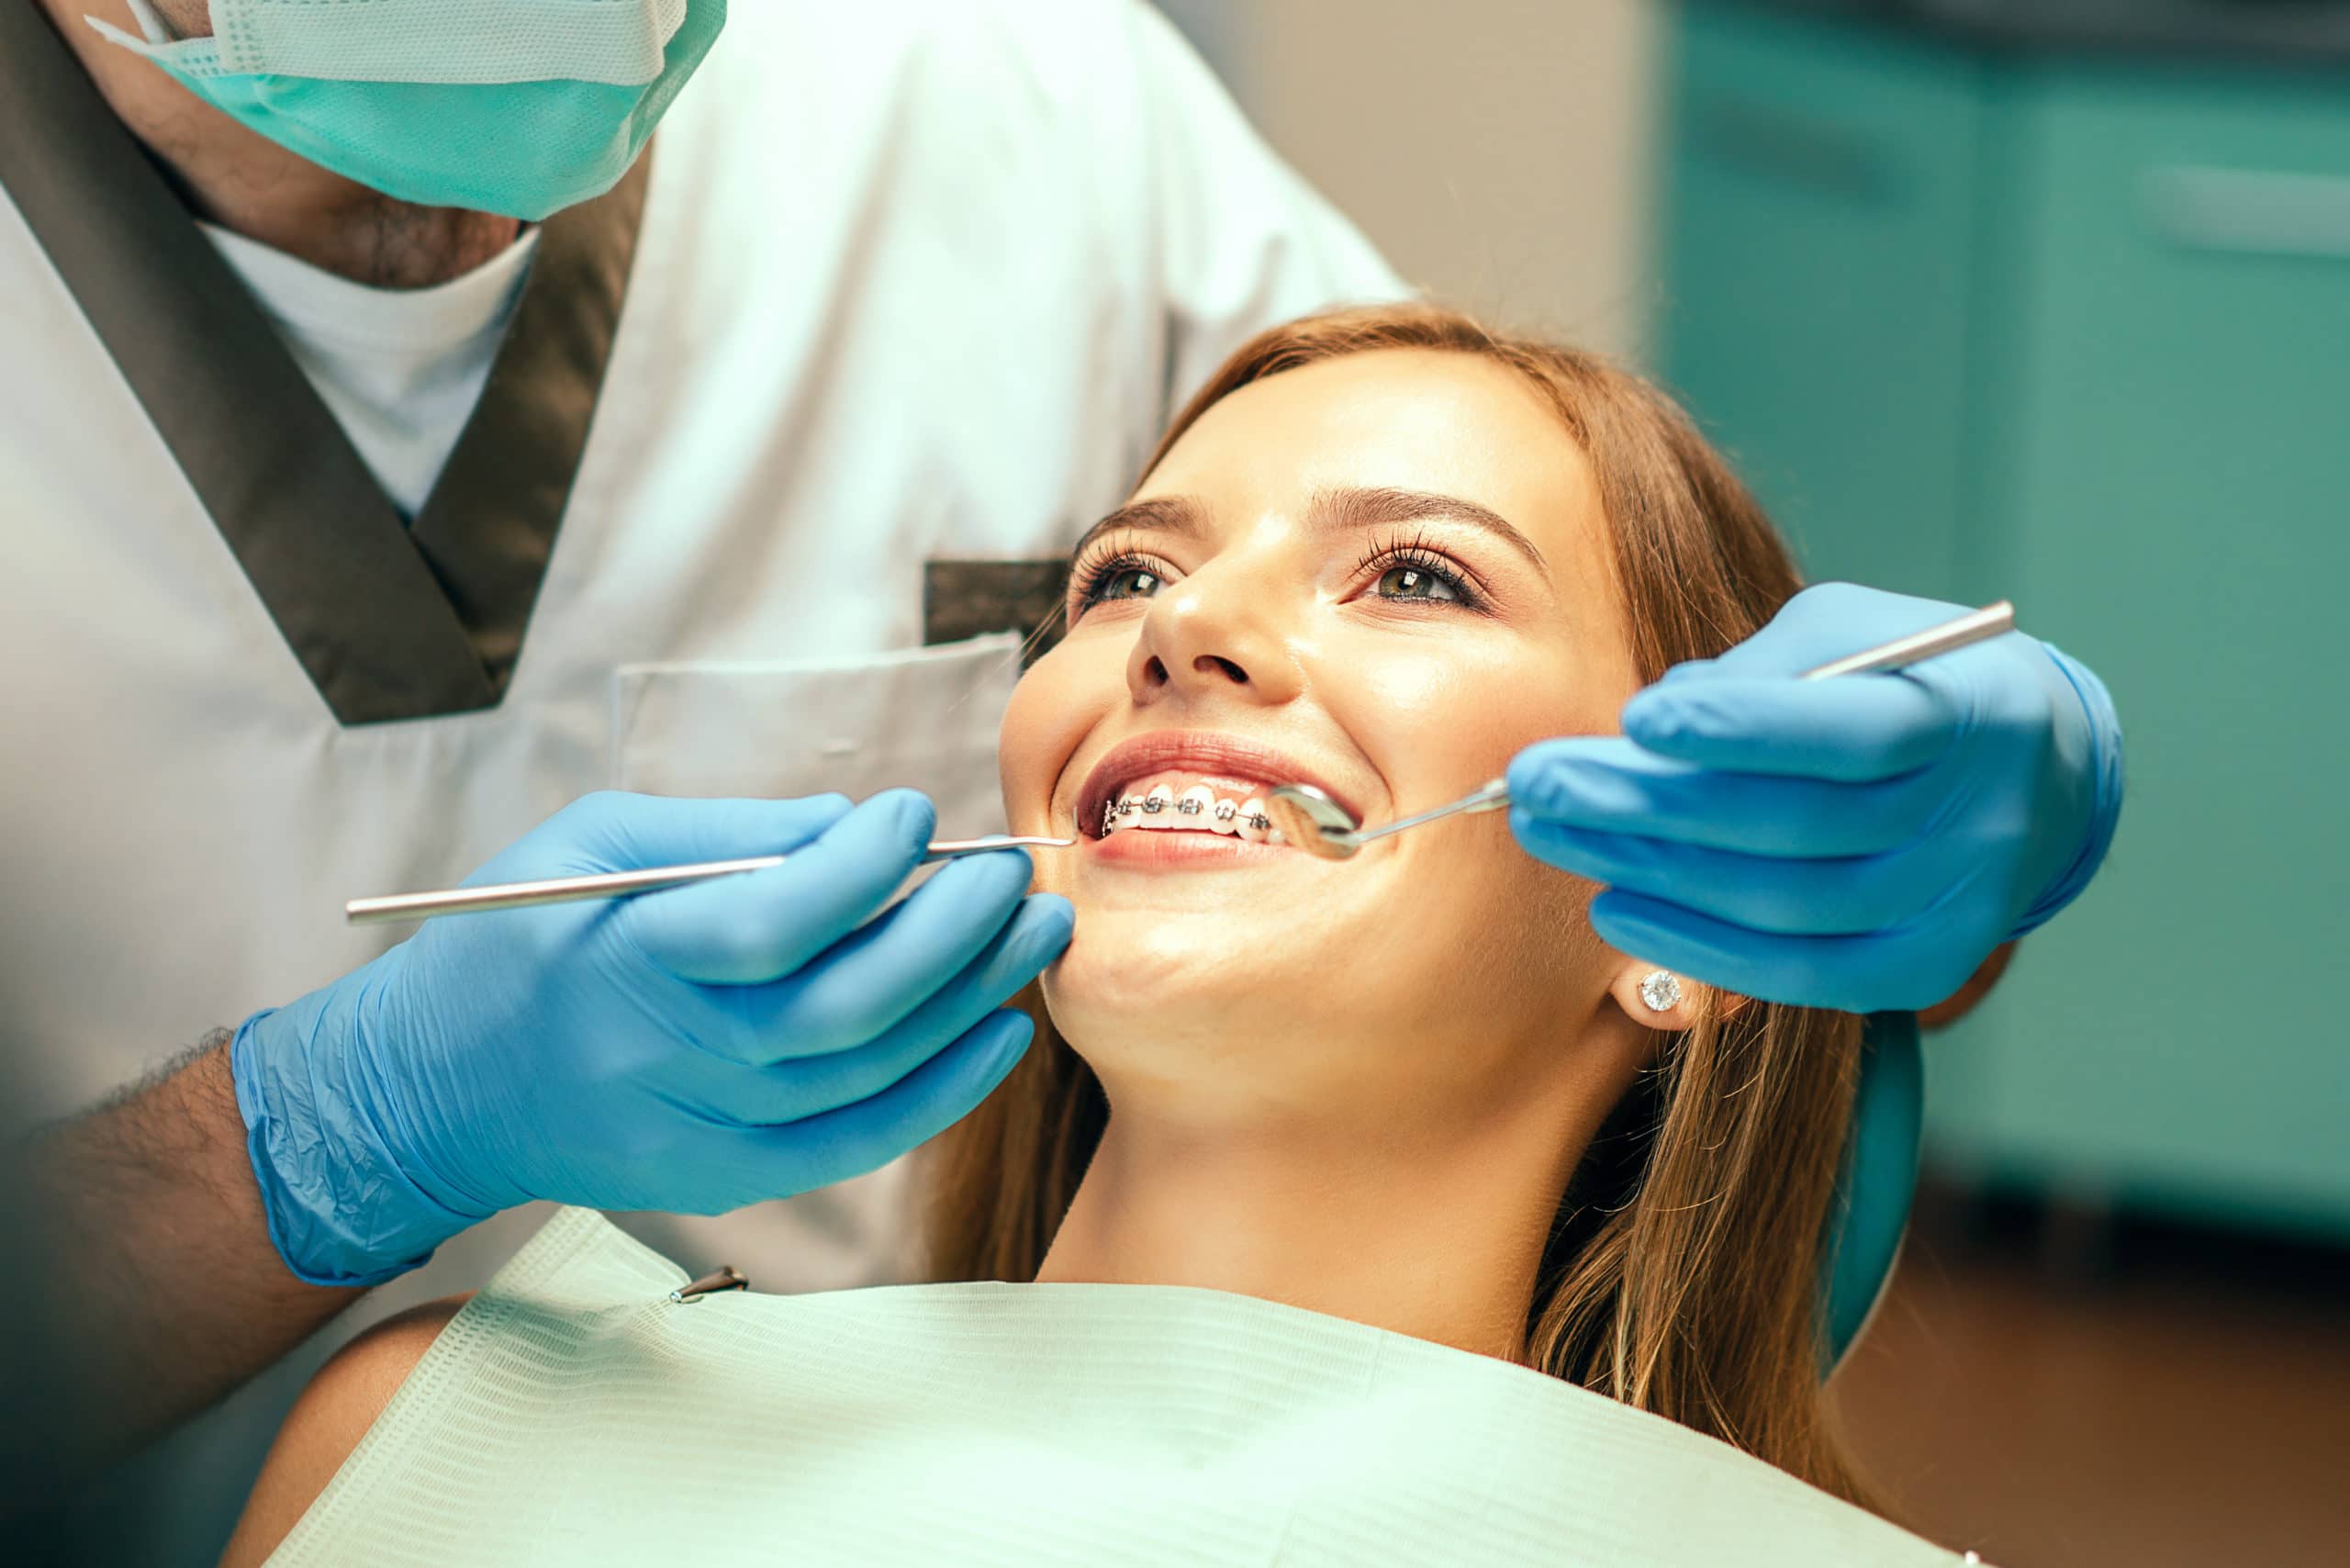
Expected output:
(1199, 808)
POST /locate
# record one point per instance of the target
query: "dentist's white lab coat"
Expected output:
(913, 282)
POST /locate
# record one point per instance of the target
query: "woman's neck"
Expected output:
(1430, 1229)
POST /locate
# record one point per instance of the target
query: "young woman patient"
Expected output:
(1427, 1154)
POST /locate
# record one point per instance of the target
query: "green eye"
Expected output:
(1126, 578)
(1126, 582)
(1416, 582)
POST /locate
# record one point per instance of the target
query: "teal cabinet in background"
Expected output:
(1815, 281)
(2075, 331)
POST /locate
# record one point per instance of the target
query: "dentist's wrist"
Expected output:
(342, 1209)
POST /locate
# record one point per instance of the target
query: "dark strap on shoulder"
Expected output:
(388, 625)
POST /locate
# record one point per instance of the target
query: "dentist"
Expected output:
(404, 441)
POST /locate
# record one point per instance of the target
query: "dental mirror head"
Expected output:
(1309, 818)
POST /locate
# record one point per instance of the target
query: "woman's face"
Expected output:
(1382, 574)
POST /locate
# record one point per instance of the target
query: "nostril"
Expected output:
(1210, 664)
(1154, 671)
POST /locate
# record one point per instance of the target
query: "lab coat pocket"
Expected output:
(925, 718)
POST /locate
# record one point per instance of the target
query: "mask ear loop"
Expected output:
(150, 22)
(182, 57)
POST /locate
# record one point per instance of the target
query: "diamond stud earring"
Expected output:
(1661, 988)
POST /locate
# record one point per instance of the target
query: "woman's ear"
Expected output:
(1662, 1000)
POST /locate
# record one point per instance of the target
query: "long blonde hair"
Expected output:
(1680, 1275)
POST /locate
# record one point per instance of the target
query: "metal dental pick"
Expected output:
(622, 884)
(1309, 818)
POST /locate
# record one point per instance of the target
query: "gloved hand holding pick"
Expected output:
(1861, 843)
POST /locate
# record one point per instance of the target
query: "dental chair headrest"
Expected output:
(1870, 1212)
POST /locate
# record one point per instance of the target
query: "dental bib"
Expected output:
(574, 1413)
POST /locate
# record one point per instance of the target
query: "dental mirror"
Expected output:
(1309, 818)
(1306, 817)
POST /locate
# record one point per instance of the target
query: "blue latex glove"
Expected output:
(1861, 843)
(691, 1050)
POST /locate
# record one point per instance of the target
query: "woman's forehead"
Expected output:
(1406, 419)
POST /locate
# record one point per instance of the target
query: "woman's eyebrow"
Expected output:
(1330, 508)
(1372, 508)
(1179, 515)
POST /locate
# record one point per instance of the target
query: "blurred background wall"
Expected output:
(2041, 299)
(1492, 148)
(1496, 150)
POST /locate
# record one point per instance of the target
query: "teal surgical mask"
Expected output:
(515, 107)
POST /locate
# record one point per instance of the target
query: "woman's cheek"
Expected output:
(1446, 719)
(1056, 703)
(1414, 687)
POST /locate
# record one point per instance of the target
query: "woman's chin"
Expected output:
(1166, 965)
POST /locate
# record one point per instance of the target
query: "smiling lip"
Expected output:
(1141, 849)
(1211, 753)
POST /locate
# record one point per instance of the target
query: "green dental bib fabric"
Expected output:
(573, 1414)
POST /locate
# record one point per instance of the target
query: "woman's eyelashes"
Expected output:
(1405, 572)
(1413, 571)
(1110, 578)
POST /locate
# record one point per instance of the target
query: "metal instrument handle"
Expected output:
(622, 884)
(1965, 631)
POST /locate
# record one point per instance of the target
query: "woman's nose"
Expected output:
(1213, 632)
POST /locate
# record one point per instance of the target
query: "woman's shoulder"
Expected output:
(326, 1423)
